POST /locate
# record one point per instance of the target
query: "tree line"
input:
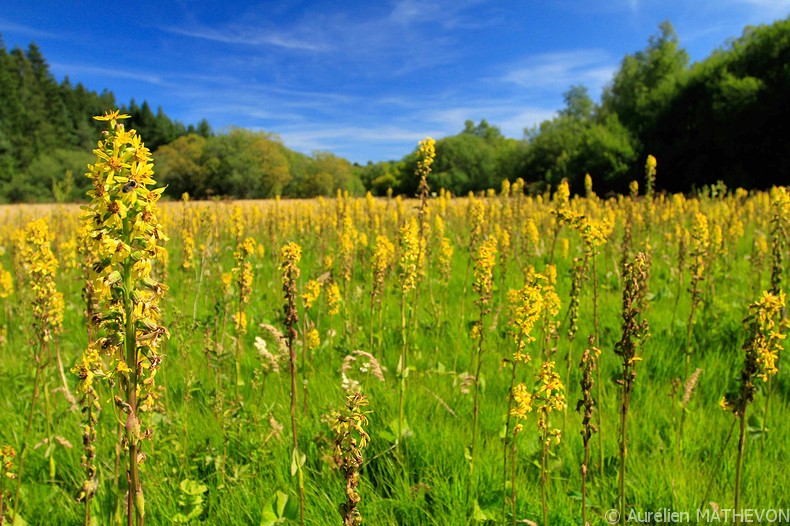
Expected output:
(721, 119)
(724, 119)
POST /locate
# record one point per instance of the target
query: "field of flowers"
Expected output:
(493, 359)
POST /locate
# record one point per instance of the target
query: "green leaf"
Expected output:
(297, 461)
(190, 487)
(280, 502)
(503, 431)
(280, 509)
(393, 435)
(478, 514)
(291, 509)
(269, 518)
(180, 518)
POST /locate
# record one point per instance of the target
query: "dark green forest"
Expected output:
(726, 118)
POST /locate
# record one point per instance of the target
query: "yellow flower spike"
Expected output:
(426, 155)
(563, 194)
(312, 290)
(409, 255)
(485, 259)
(333, 298)
(123, 231)
(6, 283)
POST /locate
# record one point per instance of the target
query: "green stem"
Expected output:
(739, 465)
(404, 349)
(584, 481)
(476, 409)
(544, 479)
(716, 464)
(135, 505)
(598, 385)
(507, 443)
(39, 368)
(623, 447)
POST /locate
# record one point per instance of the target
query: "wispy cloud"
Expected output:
(512, 117)
(772, 8)
(560, 70)
(449, 14)
(12, 27)
(248, 36)
(771, 4)
(71, 69)
(389, 141)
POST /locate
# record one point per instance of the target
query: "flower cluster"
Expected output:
(6, 283)
(425, 155)
(522, 404)
(351, 438)
(332, 298)
(587, 403)
(485, 260)
(349, 237)
(311, 293)
(409, 242)
(700, 242)
(383, 258)
(290, 256)
(242, 275)
(7, 460)
(549, 397)
(780, 217)
(125, 234)
(764, 343)
(40, 264)
(562, 195)
(527, 305)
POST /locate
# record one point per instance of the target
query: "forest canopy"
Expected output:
(725, 118)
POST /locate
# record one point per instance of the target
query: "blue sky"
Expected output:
(365, 80)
